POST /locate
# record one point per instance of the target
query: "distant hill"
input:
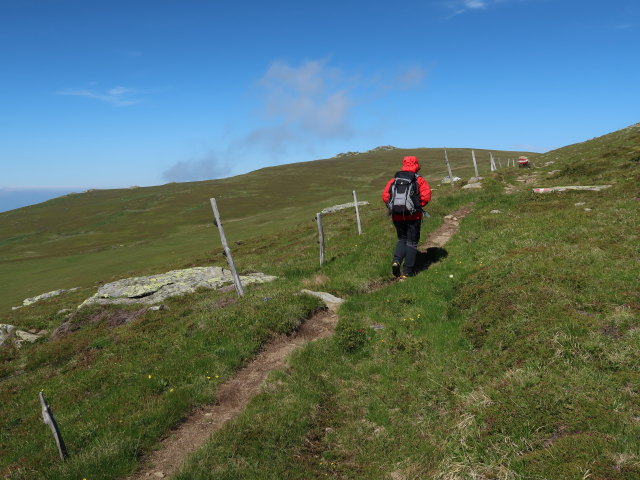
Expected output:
(81, 238)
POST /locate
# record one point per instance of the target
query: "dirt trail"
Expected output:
(234, 395)
(448, 229)
(232, 398)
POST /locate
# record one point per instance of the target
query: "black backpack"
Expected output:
(405, 198)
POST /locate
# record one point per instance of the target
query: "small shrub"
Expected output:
(351, 336)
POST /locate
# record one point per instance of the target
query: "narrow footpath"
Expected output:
(234, 395)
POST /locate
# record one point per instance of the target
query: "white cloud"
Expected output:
(116, 96)
(208, 167)
(413, 77)
(301, 107)
(459, 7)
(305, 103)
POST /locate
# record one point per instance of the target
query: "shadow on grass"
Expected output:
(427, 258)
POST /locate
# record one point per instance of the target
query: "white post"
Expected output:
(475, 165)
(446, 159)
(320, 237)
(492, 162)
(227, 251)
(355, 201)
(499, 162)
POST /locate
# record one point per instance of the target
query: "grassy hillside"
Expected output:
(515, 356)
(122, 232)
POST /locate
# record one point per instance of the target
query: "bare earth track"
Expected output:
(234, 395)
(232, 398)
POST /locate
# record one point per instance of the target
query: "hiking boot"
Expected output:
(402, 278)
(395, 269)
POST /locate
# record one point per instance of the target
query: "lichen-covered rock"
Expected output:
(32, 300)
(156, 288)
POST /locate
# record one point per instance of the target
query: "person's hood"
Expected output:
(410, 164)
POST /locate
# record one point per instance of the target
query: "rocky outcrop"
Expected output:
(9, 333)
(381, 148)
(448, 180)
(30, 301)
(156, 288)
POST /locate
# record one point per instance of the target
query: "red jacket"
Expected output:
(410, 164)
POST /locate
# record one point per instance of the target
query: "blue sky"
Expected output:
(107, 94)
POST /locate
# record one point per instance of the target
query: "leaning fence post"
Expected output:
(320, 237)
(227, 251)
(492, 162)
(446, 159)
(47, 417)
(355, 202)
(475, 165)
(499, 162)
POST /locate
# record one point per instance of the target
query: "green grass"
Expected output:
(515, 356)
(140, 231)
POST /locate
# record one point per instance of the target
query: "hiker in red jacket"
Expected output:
(405, 195)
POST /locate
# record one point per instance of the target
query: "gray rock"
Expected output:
(472, 185)
(156, 288)
(331, 301)
(475, 179)
(342, 206)
(26, 336)
(496, 211)
(11, 333)
(54, 293)
(448, 180)
(6, 331)
(579, 204)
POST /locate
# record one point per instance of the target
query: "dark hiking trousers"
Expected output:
(407, 246)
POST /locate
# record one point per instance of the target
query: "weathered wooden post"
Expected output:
(47, 417)
(499, 162)
(475, 165)
(227, 251)
(446, 159)
(320, 237)
(492, 162)
(355, 201)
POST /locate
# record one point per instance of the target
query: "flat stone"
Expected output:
(472, 185)
(54, 293)
(156, 288)
(342, 206)
(496, 211)
(331, 301)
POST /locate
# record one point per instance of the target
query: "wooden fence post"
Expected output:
(499, 162)
(446, 159)
(320, 237)
(47, 417)
(355, 201)
(475, 165)
(492, 162)
(227, 251)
